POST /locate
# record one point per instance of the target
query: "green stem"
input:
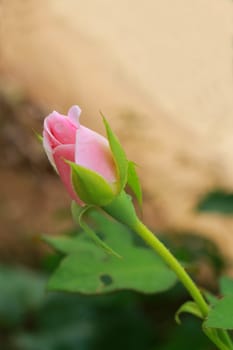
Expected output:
(122, 209)
(166, 255)
(213, 335)
(185, 279)
(225, 337)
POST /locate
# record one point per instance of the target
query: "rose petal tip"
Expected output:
(74, 114)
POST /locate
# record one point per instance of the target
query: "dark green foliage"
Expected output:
(217, 201)
(58, 321)
(21, 292)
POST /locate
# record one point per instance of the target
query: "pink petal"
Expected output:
(48, 148)
(92, 151)
(74, 115)
(47, 128)
(60, 129)
(61, 153)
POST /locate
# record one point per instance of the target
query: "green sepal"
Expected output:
(189, 307)
(78, 214)
(90, 187)
(38, 136)
(119, 156)
(76, 211)
(134, 182)
(122, 210)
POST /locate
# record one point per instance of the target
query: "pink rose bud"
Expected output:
(65, 139)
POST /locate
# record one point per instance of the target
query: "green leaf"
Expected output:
(90, 186)
(118, 155)
(212, 299)
(134, 182)
(217, 201)
(73, 244)
(90, 272)
(189, 307)
(226, 285)
(221, 316)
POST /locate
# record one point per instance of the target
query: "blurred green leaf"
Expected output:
(217, 201)
(186, 336)
(126, 320)
(20, 291)
(89, 272)
(119, 156)
(73, 322)
(62, 323)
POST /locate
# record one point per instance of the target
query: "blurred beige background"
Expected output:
(161, 71)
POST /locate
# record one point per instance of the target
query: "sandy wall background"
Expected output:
(161, 72)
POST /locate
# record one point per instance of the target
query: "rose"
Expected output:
(64, 139)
